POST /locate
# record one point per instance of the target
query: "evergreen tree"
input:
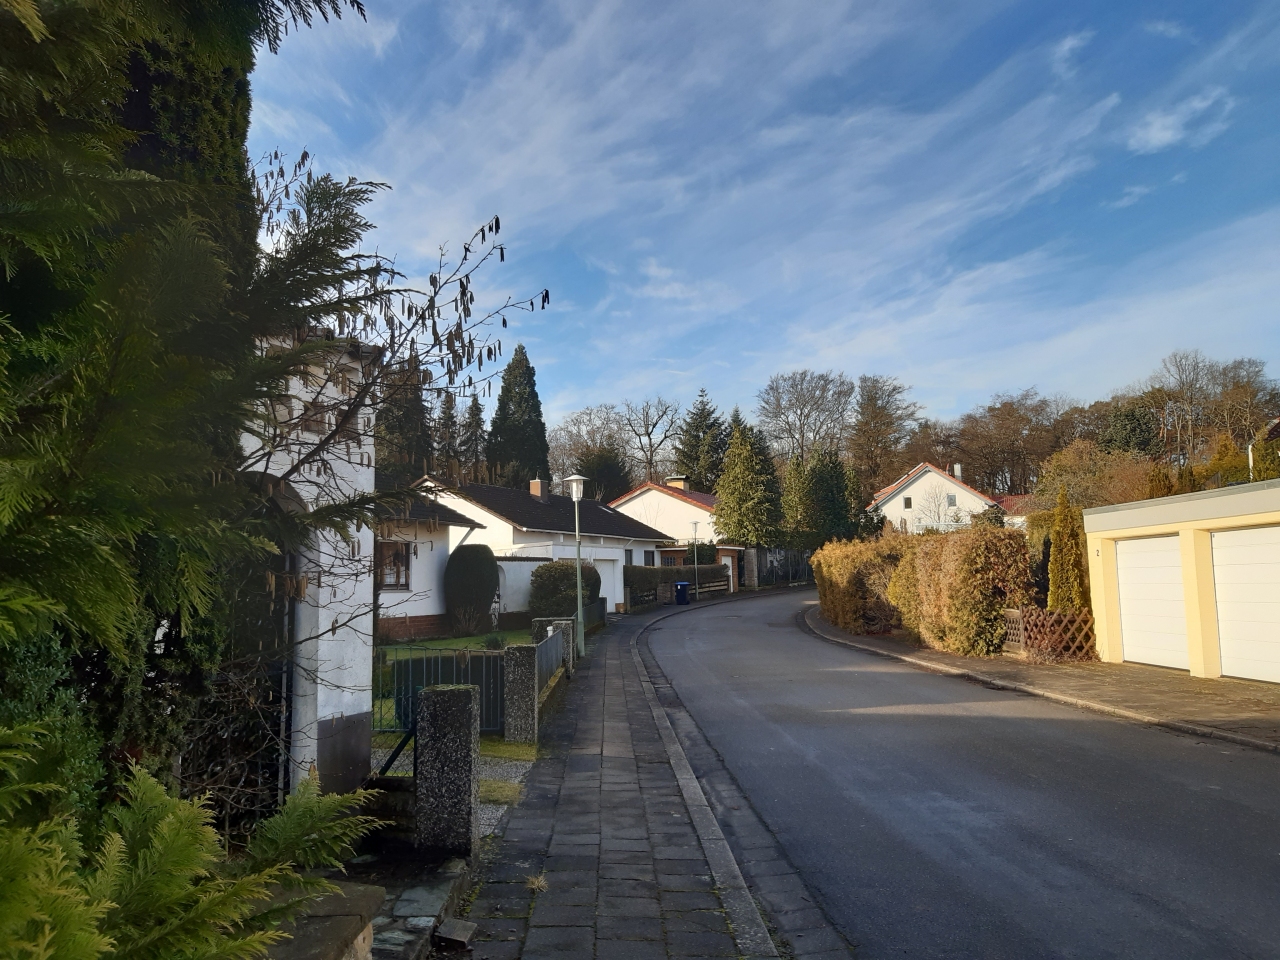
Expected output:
(1133, 428)
(446, 437)
(607, 470)
(701, 444)
(1068, 567)
(829, 495)
(746, 512)
(518, 450)
(797, 506)
(402, 433)
(863, 523)
(769, 482)
(472, 440)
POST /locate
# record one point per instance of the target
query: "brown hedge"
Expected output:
(853, 582)
(646, 579)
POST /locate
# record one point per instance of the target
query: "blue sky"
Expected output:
(974, 196)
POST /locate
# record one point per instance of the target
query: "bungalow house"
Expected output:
(1017, 507)
(535, 525)
(929, 498)
(673, 508)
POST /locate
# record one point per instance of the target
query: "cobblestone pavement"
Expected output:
(1242, 711)
(601, 857)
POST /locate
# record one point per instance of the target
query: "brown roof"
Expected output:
(1017, 504)
(914, 472)
(705, 500)
(426, 510)
(555, 514)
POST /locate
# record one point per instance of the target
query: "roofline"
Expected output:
(916, 471)
(512, 523)
(662, 488)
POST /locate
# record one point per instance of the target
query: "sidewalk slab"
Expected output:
(1245, 712)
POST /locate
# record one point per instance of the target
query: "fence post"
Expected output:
(520, 693)
(446, 746)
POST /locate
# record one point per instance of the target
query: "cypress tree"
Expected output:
(471, 440)
(797, 505)
(746, 512)
(447, 453)
(829, 494)
(1068, 570)
(607, 469)
(402, 434)
(518, 450)
(701, 444)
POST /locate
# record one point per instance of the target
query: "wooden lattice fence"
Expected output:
(1048, 636)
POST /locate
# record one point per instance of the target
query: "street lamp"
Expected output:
(575, 483)
(697, 590)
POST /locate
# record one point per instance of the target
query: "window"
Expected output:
(951, 499)
(629, 557)
(668, 561)
(648, 558)
(393, 565)
(906, 503)
(314, 419)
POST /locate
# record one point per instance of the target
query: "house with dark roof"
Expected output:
(673, 508)
(535, 524)
(930, 498)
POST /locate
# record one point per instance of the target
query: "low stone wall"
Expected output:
(520, 693)
(446, 750)
(411, 628)
(336, 927)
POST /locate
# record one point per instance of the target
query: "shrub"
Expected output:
(1068, 569)
(853, 582)
(553, 588)
(470, 584)
(646, 579)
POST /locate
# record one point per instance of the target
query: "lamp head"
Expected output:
(575, 483)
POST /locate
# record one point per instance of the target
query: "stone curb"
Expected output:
(749, 931)
(813, 620)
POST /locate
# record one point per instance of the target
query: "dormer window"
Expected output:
(906, 503)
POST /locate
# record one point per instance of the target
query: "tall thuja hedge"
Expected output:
(1068, 564)
(470, 584)
(853, 582)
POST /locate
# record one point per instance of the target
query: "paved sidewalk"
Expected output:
(605, 827)
(1246, 712)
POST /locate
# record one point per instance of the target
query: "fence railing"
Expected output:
(550, 658)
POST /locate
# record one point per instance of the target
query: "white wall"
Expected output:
(425, 596)
(513, 584)
(671, 515)
(928, 492)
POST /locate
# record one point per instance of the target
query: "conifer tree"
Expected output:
(446, 437)
(518, 450)
(746, 509)
(1068, 567)
(402, 434)
(797, 506)
(471, 441)
(829, 495)
(607, 470)
(701, 444)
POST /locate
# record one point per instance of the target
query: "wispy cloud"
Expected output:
(1170, 29)
(1130, 196)
(1064, 53)
(1196, 120)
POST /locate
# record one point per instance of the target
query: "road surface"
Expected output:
(937, 818)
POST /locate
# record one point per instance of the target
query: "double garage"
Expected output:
(1191, 582)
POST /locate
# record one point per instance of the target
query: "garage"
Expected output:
(1246, 573)
(1153, 618)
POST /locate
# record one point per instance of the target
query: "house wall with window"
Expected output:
(929, 498)
(671, 510)
(411, 562)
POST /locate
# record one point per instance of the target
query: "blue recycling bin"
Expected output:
(682, 592)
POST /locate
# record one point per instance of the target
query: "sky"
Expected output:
(974, 197)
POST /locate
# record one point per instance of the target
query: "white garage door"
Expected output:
(1153, 616)
(1246, 574)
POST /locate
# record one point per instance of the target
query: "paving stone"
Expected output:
(628, 888)
(562, 915)
(628, 907)
(681, 900)
(500, 928)
(625, 871)
(635, 857)
(694, 921)
(497, 950)
(686, 852)
(700, 944)
(685, 867)
(559, 942)
(615, 843)
(630, 950)
(628, 928)
(670, 881)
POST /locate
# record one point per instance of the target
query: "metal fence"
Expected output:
(400, 671)
(549, 658)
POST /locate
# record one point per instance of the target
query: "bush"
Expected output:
(553, 588)
(952, 588)
(470, 584)
(853, 582)
(643, 580)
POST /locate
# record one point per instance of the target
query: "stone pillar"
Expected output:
(520, 693)
(569, 654)
(446, 746)
(751, 568)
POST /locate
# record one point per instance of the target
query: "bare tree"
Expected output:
(805, 410)
(883, 418)
(585, 430)
(652, 426)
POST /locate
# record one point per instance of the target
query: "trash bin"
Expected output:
(682, 591)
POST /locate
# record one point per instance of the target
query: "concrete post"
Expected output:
(446, 748)
(520, 693)
(751, 568)
(1200, 594)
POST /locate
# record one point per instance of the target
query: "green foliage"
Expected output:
(705, 553)
(1068, 565)
(1133, 428)
(472, 440)
(403, 447)
(829, 498)
(553, 588)
(797, 506)
(518, 448)
(606, 469)
(470, 584)
(159, 884)
(993, 516)
(747, 501)
(853, 580)
(701, 444)
(448, 454)
(643, 580)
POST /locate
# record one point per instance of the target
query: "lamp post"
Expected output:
(697, 590)
(575, 483)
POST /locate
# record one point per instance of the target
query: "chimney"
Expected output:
(540, 490)
(956, 472)
(679, 482)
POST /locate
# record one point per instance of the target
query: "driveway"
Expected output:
(937, 818)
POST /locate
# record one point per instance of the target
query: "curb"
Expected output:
(750, 933)
(820, 628)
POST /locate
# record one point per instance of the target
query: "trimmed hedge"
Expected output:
(553, 588)
(470, 584)
(853, 582)
(646, 579)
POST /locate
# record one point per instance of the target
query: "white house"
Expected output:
(673, 508)
(536, 524)
(929, 498)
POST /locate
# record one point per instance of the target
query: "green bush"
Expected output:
(646, 579)
(553, 588)
(470, 584)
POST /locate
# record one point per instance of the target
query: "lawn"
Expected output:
(399, 651)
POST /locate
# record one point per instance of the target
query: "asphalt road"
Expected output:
(937, 818)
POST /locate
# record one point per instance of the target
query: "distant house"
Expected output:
(536, 524)
(1016, 507)
(929, 498)
(673, 508)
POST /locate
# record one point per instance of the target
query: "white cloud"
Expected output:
(1130, 196)
(1062, 58)
(1196, 120)
(1170, 29)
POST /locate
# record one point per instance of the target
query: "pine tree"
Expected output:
(606, 467)
(701, 444)
(797, 506)
(518, 450)
(829, 495)
(402, 434)
(1068, 568)
(446, 437)
(472, 440)
(746, 513)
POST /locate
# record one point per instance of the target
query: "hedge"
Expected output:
(470, 584)
(853, 582)
(643, 580)
(553, 588)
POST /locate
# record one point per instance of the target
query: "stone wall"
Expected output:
(411, 628)
(446, 753)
